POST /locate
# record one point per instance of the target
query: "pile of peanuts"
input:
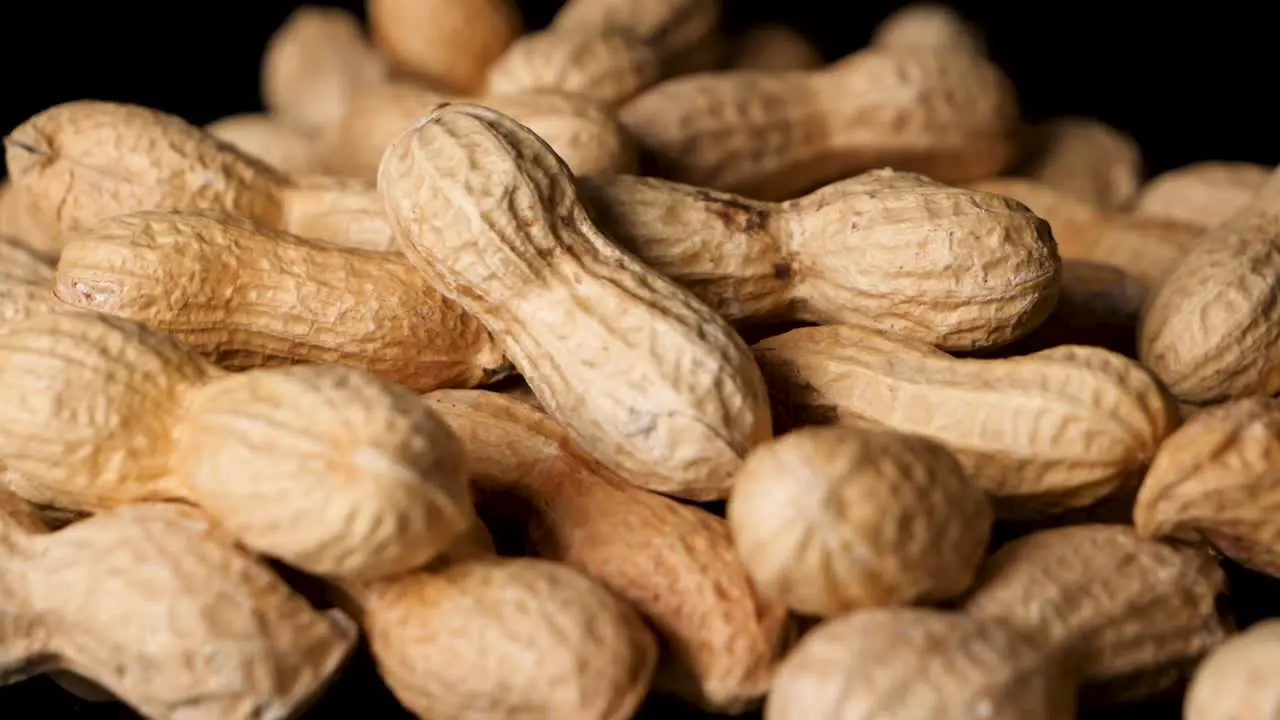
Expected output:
(629, 359)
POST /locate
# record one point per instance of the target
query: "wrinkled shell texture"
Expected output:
(1053, 430)
(1217, 479)
(1237, 681)
(644, 376)
(833, 519)
(675, 28)
(920, 663)
(16, 222)
(608, 65)
(243, 647)
(452, 43)
(1126, 606)
(1203, 193)
(675, 563)
(26, 282)
(554, 644)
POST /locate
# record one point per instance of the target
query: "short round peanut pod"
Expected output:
(1238, 680)
(829, 519)
(326, 468)
(918, 663)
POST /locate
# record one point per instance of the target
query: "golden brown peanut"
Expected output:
(225, 638)
(776, 135)
(16, 223)
(920, 663)
(1203, 193)
(322, 466)
(26, 283)
(609, 65)
(449, 43)
(684, 33)
(1212, 331)
(314, 63)
(675, 563)
(582, 132)
(501, 638)
(832, 519)
(1055, 430)
(1086, 159)
(928, 26)
(244, 296)
(269, 140)
(895, 251)
(1237, 681)
(1215, 479)
(646, 378)
(772, 46)
(1136, 613)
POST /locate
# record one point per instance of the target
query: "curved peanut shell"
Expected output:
(493, 639)
(1203, 193)
(925, 26)
(675, 563)
(1086, 159)
(340, 210)
(1136, 613)
(1237, 681)
(773, 46)
(246, 296)
(1050, 431)
(16, 223)
(445, 41)
(1217, 479)
(609, 65)
(681, 31)
(269, 140)
(645, 377)
(26, 282)
(921, 663)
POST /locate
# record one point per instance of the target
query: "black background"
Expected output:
(1191, 84)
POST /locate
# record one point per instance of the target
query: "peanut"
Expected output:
(832, 519)
(1203, 193)
(220, 283)
(448, 42)
(1087, 160)
(1135, 613)
(1212, 331)
(16, 222)
(773, 46)
(684, 33)
(502, 638)
(609, 65)
(1237, 680)
(775, 135)
(269, 140)
(324, 467)
(895, 251)
(920, 663)
(1055, 430)
(26, 283)
(1215, 479)
(720, 640)
(645, 377)
(928, 26)
(159, 606)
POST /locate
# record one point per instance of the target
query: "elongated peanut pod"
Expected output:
(667, 395)
(444, 41)
(720, 639)
(1051, 431)
(682, 32)
(269, 140)
(26, 282)
(1237, 679)
(1203, 193)
(609, 65)
(245, 296)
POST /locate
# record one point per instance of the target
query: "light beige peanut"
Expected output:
(928, 26)
(1203, 193)
(1237, 680)
(609, 65)
(1085, 159)
(684, 33)
(268, 140)
(1054, 430)
(895, 251)
(833, 519)
(313, 64)
(16, 222)
(498, 638)
(921, 663)
(773, 46)
(447, 42)
(650, 381)
(324, 467)
(225, 638)
(245, 296)
(776, 135)
(1136, 613)
(1216, 480)
(675, 563)
(26, 282)
(1212, 331)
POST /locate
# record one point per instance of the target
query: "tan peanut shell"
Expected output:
(1086, 159)
(501, 638)
(832, 519)
(1203, 193)
(343, 211)
(1054, 430)
(645, 377)
(26, 282)
(776, 135)
(675, 563)
(322, 466)
(1135, 613)
(245, 296)
(314, 62)
(16, 222)
(928, 27)
(159, 606)
(684, 33)
(891, 250)
(269, 140)
(1212, 332)
(1215, 479)
(609, 65)
(1237, 681)
(773, 46)
(445, 41)
(920, 663)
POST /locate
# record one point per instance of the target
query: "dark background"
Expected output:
(1188, 85)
